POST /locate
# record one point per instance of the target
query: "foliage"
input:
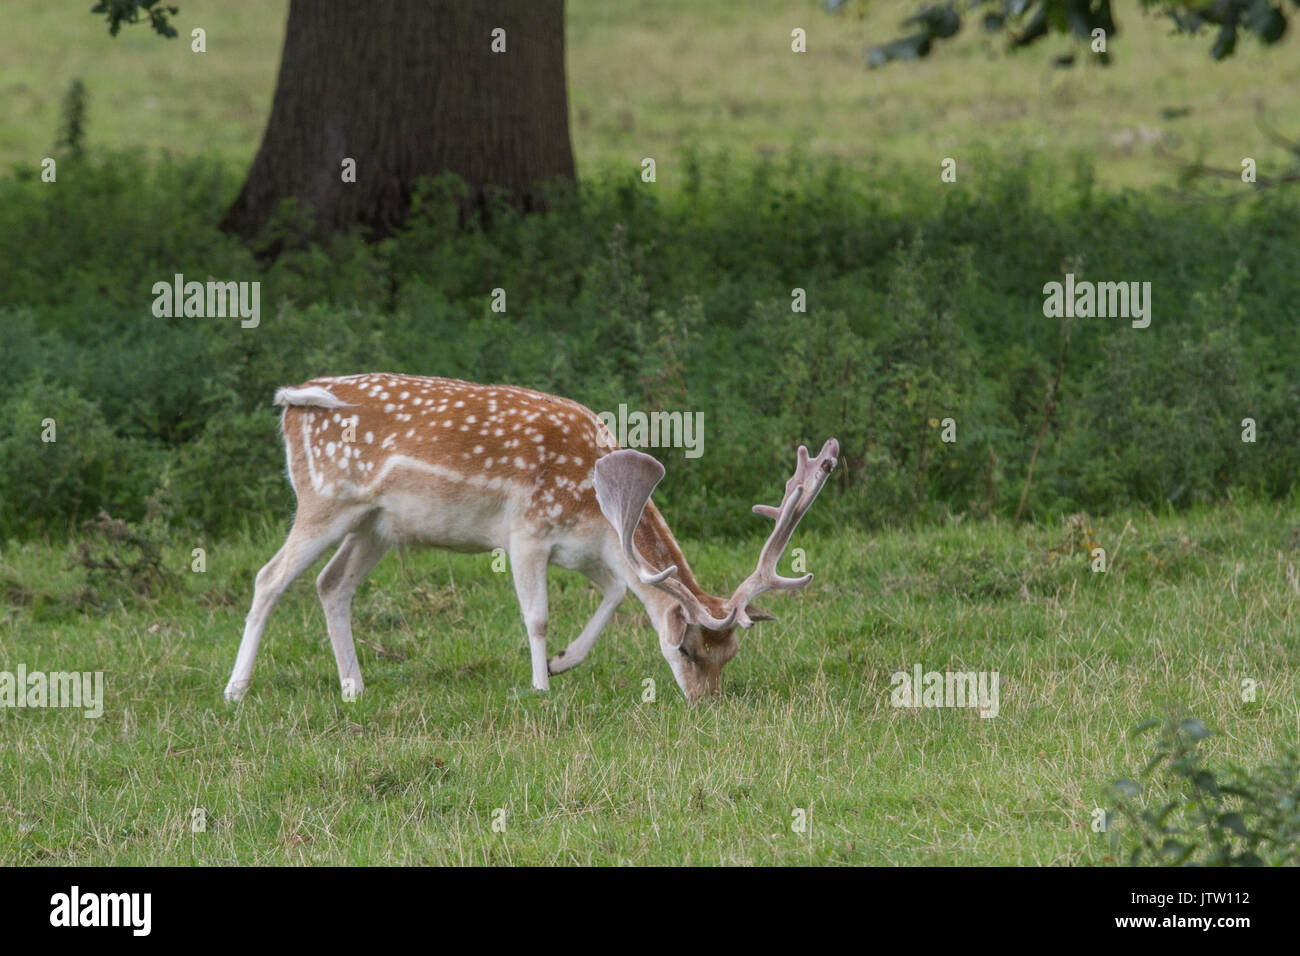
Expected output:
(122, 559)
(117, 12)
(72, 127)
(1025, 22)
(1236, 816)
(667, 300)
(62, 462)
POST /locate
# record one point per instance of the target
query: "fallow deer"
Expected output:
(382, 460)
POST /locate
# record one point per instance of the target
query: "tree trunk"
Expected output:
(409, 88)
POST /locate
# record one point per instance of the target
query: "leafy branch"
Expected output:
(118, 12)
(1231, 817)
(1025, 22)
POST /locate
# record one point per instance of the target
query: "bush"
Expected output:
(1198, 816)
(63, 463)
(230, 476)
(121, 560)
(917, 311)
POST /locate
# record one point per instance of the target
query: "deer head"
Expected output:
(697, 631)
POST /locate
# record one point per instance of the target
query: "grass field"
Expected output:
(657, 77)
(448, 733)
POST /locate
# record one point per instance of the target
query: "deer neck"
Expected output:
(655, 540)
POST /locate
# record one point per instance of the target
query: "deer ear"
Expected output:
(623, 481)
(754, 614)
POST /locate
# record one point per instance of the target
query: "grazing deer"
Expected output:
(380, 460)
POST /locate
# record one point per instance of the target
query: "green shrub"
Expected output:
(229, 476)
(121, 561)
(64, 463)
(923, 305)
(1194, 815)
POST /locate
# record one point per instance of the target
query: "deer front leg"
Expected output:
(528, 561)
(573, 655)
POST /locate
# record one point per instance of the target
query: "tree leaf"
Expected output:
(1234, 822)
(1225, 42)
(1126, 787)
(1144, 727)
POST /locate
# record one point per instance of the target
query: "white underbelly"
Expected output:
(459, 524)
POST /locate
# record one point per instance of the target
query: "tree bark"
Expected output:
(409, 88)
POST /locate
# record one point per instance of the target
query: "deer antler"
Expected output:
(624, 480)
(800, 490)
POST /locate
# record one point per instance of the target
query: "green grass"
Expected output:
(448, 731)
(659, 77)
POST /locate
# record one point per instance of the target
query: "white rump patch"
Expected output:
(311, 397)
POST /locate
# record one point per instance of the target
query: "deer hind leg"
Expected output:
(573, 655)
(528, 561)
(356, 557)
(305, 544)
